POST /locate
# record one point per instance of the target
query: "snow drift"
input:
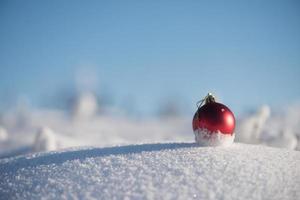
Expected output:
(84, 125)
(154, 171)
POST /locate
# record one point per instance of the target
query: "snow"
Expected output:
(3, 134)
(85, 107)
(86, 126)
(45, 140)
(44, 155)
(206, 138)
(279, 129)
(252, 126)
(284, 140)
(154, 171)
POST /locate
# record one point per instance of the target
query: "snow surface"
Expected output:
(26, 130)
(83, 126)
(205, 137)
(154, 171)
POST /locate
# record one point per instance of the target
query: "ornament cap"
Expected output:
(210, 98)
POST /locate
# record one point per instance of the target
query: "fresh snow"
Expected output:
(23, 131)
(154, 171)
(43, 155)
(205, 137)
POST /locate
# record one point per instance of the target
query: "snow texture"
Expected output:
(154, 171)
(205, 137)
(85, 125)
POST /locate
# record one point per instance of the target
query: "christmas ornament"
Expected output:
(213, 123)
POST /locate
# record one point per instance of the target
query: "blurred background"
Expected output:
(101, 73)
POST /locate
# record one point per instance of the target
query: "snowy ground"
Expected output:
(154, 171)
(28, 130)
(46, 154)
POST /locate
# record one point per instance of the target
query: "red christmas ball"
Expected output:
(213, 123)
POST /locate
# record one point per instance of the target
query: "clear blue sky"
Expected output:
(247, 52)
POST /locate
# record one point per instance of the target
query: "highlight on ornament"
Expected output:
(213, 123)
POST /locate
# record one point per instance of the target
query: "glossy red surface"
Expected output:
(214, 117)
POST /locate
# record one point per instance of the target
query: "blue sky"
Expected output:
(247, 52)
